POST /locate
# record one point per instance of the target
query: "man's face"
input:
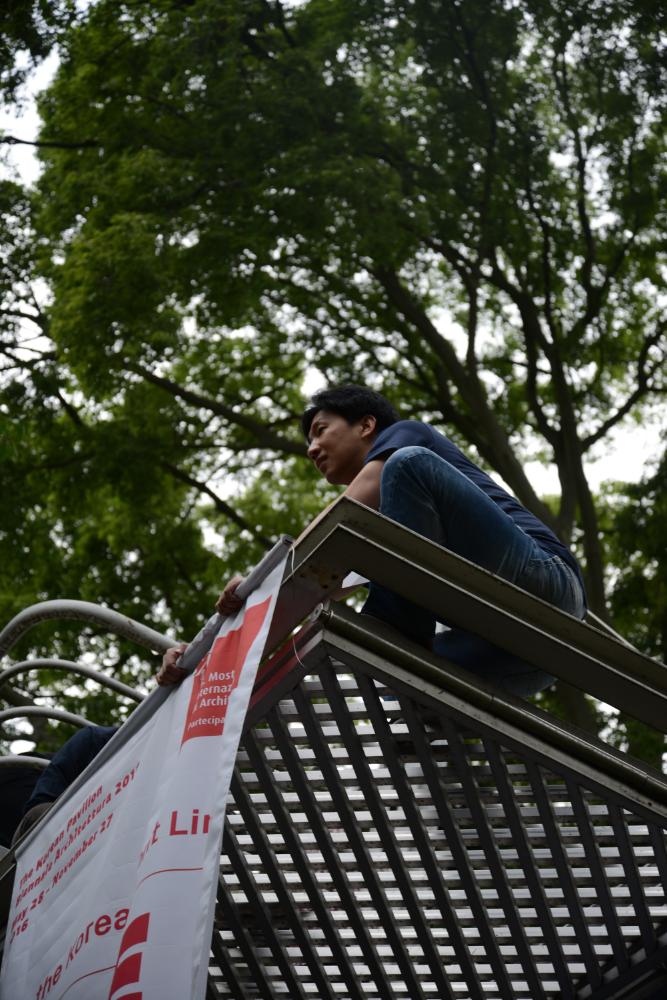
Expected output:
(337, 448)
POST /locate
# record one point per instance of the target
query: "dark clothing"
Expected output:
(16, 784)
(433, 489)
(406, 433)
(68, 763)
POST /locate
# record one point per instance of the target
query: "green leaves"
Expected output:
(28, 27)
(255, 171)
(460, 203)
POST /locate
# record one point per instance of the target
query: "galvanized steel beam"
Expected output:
(353, 537)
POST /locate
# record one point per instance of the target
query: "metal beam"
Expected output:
(353, 537)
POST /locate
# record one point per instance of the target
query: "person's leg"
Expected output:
(425, 493)
(491, 663)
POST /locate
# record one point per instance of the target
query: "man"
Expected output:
(415, 475)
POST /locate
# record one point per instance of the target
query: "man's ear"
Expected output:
(368, 426)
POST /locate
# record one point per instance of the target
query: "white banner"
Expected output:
(114, 897)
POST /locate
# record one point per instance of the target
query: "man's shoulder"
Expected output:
(406, 432)
(419, 432)
(411, 426)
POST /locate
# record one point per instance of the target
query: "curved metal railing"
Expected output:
(43, 712)
(69, 666)
(72, 610)
(23, 760)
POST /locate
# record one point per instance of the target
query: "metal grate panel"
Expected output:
(379, 847)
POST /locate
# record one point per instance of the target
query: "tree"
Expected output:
(458, 202)
(635, 523)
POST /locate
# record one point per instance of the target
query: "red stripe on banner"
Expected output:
(135, 933)
(218, 674)
(127, 972)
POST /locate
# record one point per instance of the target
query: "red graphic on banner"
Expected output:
(218, 674)
(128, 970)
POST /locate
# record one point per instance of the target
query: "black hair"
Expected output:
(351, 402)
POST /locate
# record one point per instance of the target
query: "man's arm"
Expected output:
(365, 487)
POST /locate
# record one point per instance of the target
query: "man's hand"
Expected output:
(169, 673)
(228, 603)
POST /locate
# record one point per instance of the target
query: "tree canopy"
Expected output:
(460, 203)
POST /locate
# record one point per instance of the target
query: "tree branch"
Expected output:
(12, 140)
(220, 505)
(582, 211)
(21, 314)
(279, 12)
(534, 339)
(266, 438)
(70, 410)
(488, 436)
(401, 298)
(545, 230)
(644, 373)
(19, 700)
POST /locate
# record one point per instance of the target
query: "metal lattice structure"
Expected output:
(399, 831)
(383, 842)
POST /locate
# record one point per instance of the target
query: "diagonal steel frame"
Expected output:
(359, 847)
(422, 842)
(456, 846)
(227, 969)
(257, 904)
(562, 864)
(329, 853)
(308, 881)
(657, 838)
(236, 924)
(426, 853)
(645, 979)
(505, 898)
(376, 807)
(528, 863)
(598, 782)
(598, 875)
(629, 863)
